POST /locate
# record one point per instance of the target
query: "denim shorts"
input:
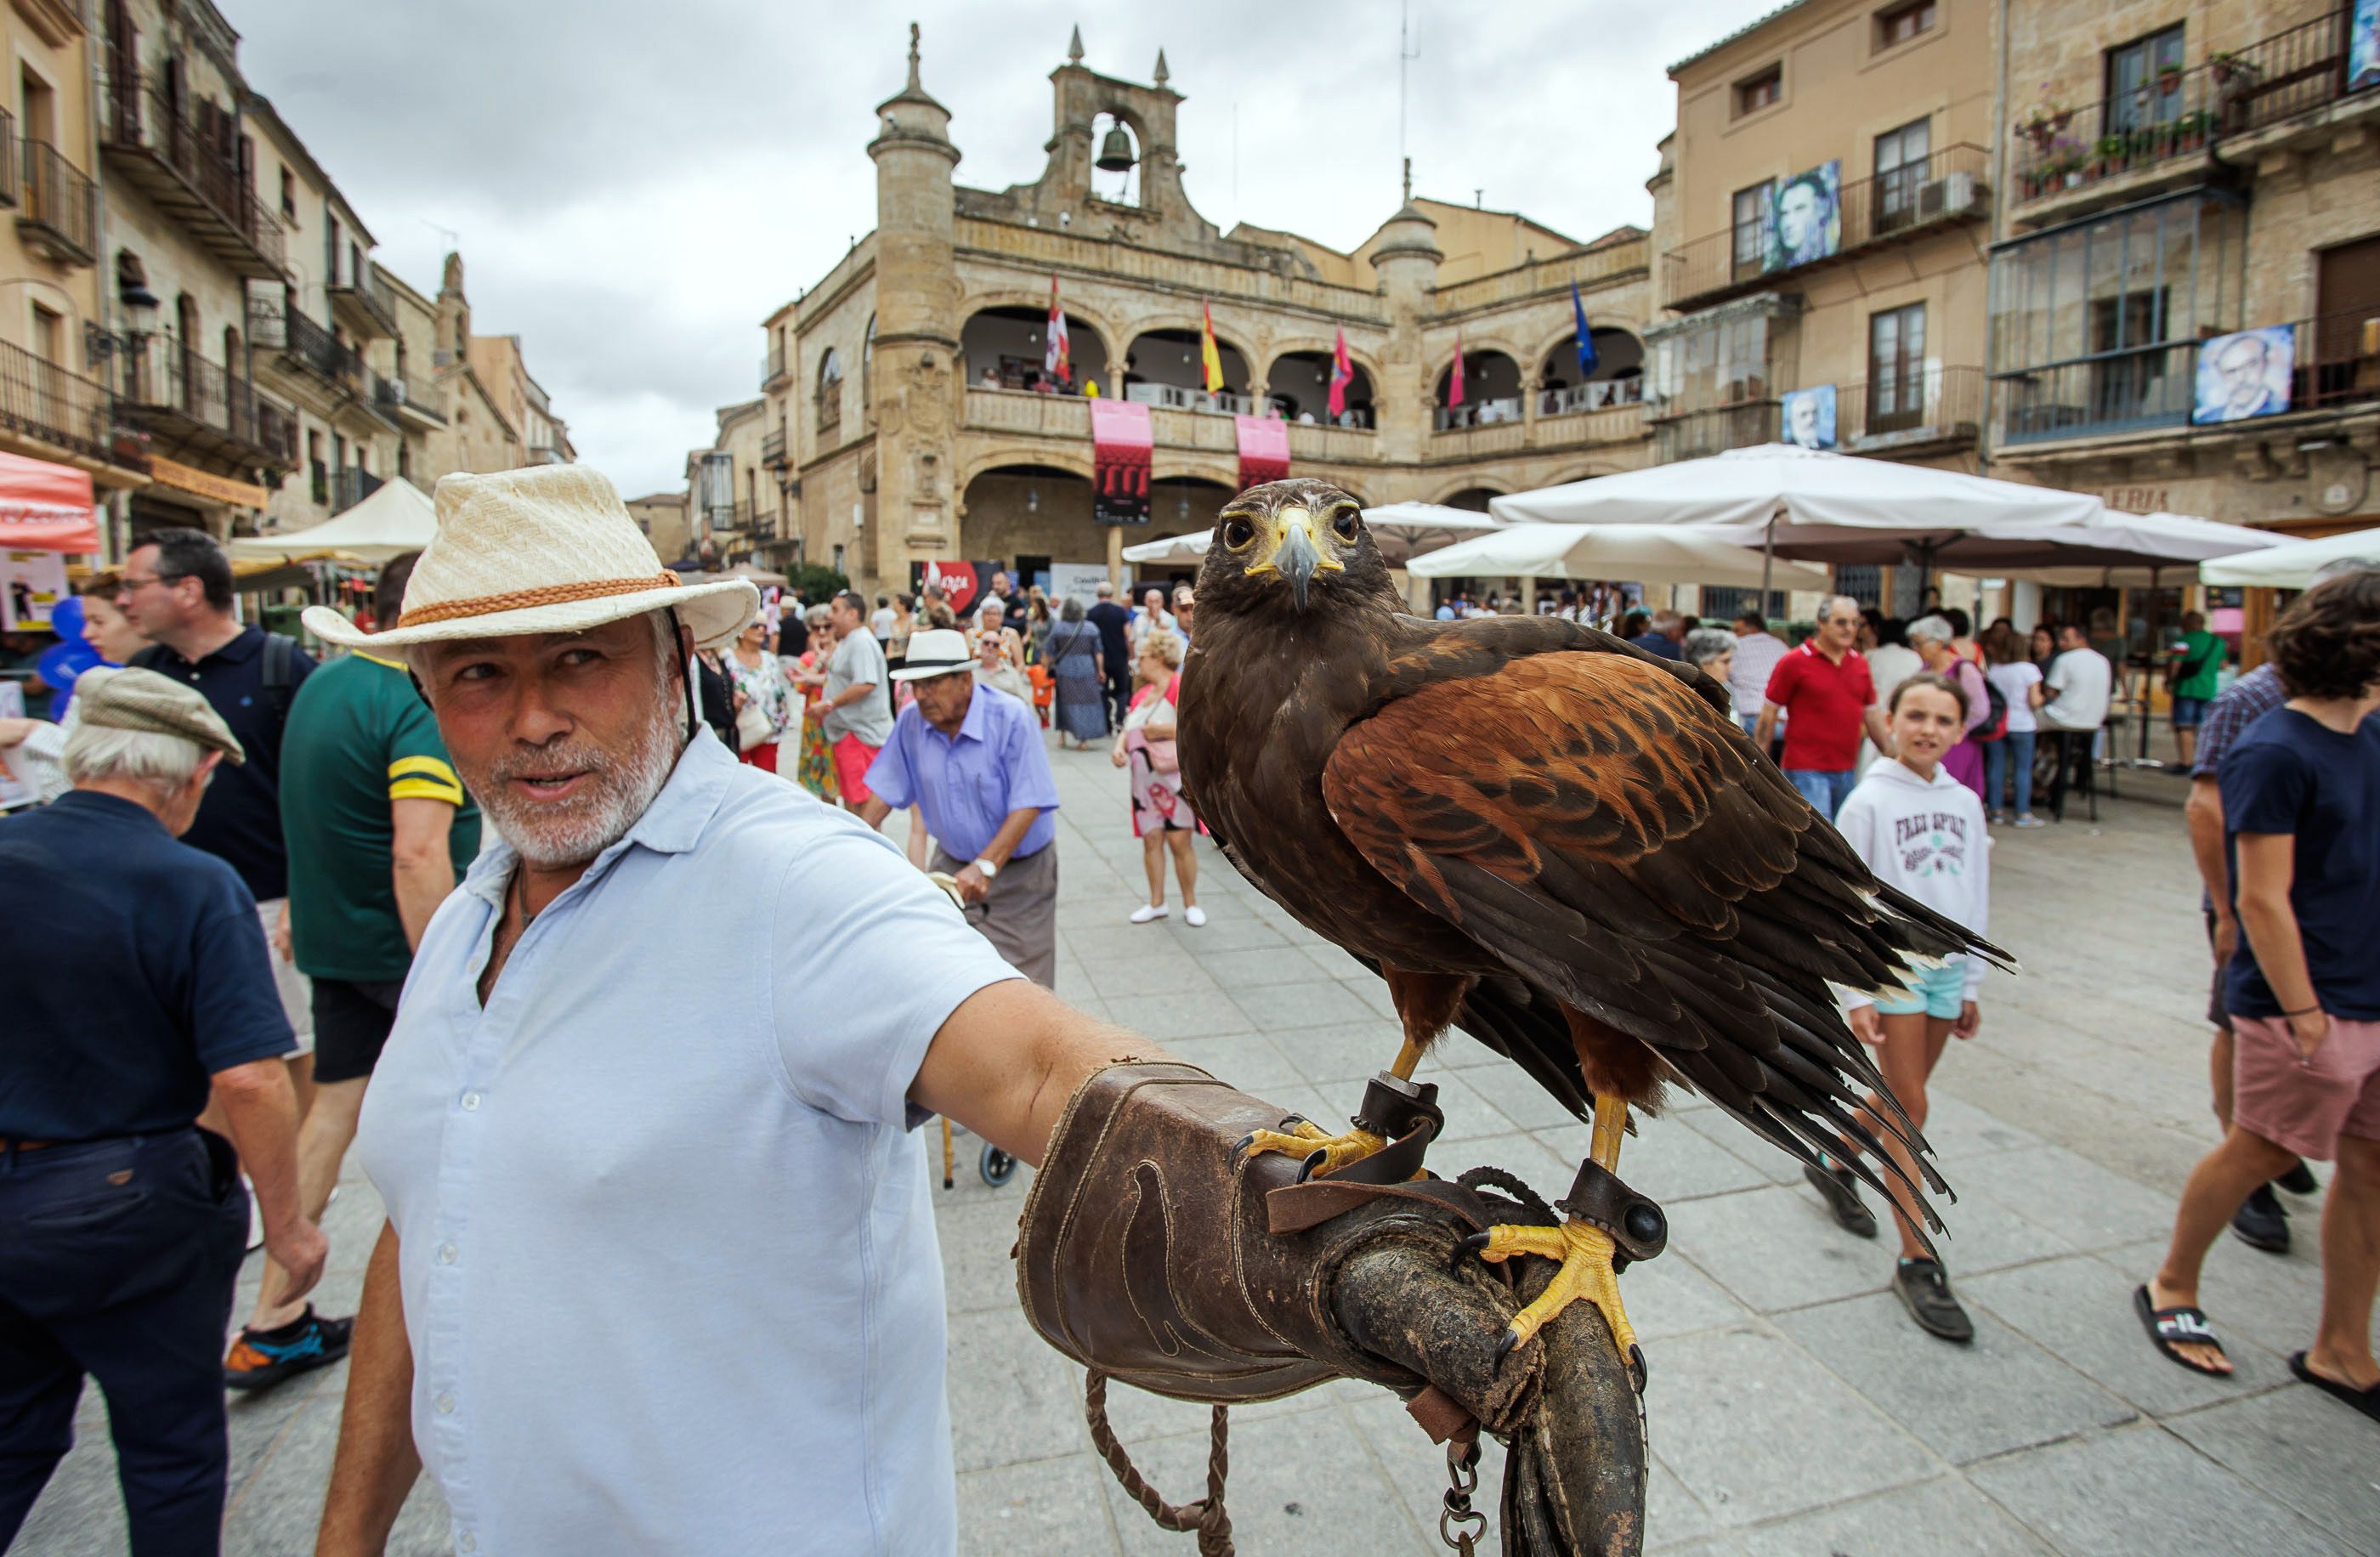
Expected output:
(1937, 992)
(2189, 713)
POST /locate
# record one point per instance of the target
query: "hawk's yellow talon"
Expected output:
(1308, 1138)
(1584, 1254)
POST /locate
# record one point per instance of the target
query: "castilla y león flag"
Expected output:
(1343, 371)
(1056, 354)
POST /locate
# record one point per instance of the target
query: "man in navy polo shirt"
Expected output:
(176, 589)
(137, 985)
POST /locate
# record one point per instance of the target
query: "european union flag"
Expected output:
(1585, 339)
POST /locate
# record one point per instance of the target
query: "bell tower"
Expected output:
(914, 380)
(1406, 261)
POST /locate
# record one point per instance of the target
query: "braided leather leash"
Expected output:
(1207, 1516)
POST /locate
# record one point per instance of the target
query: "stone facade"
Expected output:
(888, 447)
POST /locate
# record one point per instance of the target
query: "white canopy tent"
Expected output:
(394, 520)
(1401, 530)
(2290, 564)
(1814, 505)
(1645, 553)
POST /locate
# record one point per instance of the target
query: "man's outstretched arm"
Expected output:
(377, 1464)
(1005, 1062)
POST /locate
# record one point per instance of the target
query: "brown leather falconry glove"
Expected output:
(1148, 1253)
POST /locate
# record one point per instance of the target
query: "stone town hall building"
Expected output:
(898, 422)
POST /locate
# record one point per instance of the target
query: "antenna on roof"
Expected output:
(1404, 52)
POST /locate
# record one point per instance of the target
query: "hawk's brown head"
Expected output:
(1293, 543)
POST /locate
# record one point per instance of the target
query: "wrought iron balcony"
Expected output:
(40, 400)
(406, 400)
(1920, 409)
(317, 351)
(1943, 189)
(195, 404)
(2334, 363)
(772, 449)
(186, 164)
(772, 368)
(365, 304)
(57, 210)
(2183, 114)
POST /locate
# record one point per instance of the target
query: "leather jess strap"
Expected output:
(9, 1143)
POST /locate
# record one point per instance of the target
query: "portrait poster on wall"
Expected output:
(1805, 216)
(2244, 374)
(2363, 46)
(1809, 416)
(30, 584)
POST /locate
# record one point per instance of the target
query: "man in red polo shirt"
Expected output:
(1824, 689)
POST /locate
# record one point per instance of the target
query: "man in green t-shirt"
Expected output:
(378, 830)
(2196, 659)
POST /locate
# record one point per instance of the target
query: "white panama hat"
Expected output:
(546, 549)
(935, 652)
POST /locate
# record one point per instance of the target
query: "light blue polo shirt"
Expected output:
(667, 1245)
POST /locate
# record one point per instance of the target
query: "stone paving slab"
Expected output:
(1792, 1408)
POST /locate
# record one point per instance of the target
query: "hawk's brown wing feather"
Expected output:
(1595, 824)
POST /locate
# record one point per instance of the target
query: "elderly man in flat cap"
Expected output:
(137, 983)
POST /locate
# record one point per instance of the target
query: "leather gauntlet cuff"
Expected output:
(1144, 1251)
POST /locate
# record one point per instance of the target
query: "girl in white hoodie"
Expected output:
(1921, 830)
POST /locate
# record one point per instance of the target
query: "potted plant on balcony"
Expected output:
(2169, 78)
(2039, 128)
(2234, 78)
(2110, 153)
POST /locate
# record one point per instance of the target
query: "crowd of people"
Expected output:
(221, 1008)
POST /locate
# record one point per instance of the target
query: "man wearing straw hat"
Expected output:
(636, 1236)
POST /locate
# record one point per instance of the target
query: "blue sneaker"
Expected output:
(262, 1358)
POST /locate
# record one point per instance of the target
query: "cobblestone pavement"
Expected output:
(1793, 1407)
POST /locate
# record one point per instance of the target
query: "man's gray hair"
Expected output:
(1106, 590)
(1070, 610)
(1827, 607)
(159, 762)
(1669, 616)
(1705, 644)
(1933, 629)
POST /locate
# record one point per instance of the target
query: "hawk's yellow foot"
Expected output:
(1584, 1254)
(1309, 1140)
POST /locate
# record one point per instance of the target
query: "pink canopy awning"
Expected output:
(45, 507)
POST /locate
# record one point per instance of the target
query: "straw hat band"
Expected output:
(522, 600)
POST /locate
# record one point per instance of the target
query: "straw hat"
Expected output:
(935, 652)
(548, 549)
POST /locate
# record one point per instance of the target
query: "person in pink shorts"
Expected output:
(2301, 822)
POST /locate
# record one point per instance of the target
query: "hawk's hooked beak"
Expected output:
(1296, 556)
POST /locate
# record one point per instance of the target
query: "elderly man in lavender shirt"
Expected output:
(971, 758)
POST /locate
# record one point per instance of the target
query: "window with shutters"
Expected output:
(1896, 369)
(1903, 23)
(1901, 162)
(1756, 92)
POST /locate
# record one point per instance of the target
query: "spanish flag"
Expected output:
(1206, 352)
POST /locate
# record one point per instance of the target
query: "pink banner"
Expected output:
(1123, 441)
(1264, 450)
(45, 507)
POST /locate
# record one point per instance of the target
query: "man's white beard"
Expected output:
(554, 837)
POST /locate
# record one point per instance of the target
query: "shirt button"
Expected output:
(445, 1403)
(470, 1102)
(448, 1254)
(466, 1542)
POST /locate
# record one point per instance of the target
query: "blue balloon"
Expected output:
(66, 619)
(60, 664)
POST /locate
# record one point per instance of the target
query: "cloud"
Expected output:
(634, 190)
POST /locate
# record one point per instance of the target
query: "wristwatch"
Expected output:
(985, 867)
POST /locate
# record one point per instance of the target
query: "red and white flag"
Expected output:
(1455, 398)
(1343, 370)
(1056, 358)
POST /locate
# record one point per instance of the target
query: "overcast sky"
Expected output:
(633, 188)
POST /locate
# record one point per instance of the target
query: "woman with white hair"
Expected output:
(1071, 653)
(999, 653)
(1933, 638)
(1712, 651)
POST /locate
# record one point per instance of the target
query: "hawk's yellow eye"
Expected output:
(1238, 534)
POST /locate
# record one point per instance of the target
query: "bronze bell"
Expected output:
(1115, 151)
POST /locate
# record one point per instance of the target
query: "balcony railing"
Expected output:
(314, 348)
(2334, 363)
(2182, 113)
(350, 487)
(366, 303)
(546, 454)
(191, 170)
(1595, 394)
(1475, 413)
(1947, 187)
(1924, 405)
(772, 366)
(1022, 410)
(1173, 397)
(197, 403)
(1693, 435)
(57, 211)
(8, 167)
(772, 449)
(40, 400)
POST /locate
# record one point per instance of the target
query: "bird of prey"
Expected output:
(1535, 829)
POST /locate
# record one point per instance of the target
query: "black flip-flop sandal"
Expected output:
(2166, 1326)
(2365, 1401)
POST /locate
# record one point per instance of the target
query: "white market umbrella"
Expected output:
(394, 520)
(2292, 564)
(2121, 549)
(1401, 529)
(1813, 504)
(1643, 553)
